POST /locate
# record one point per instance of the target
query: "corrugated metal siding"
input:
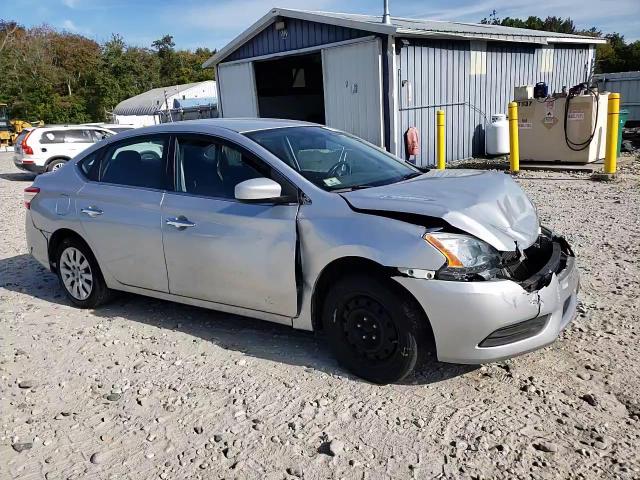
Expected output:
(440, 75)
(627, 84)
(436, 73)
(300, 34)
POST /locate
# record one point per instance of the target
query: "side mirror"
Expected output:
(258, 190)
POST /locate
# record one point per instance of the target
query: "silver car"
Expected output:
(310, 227)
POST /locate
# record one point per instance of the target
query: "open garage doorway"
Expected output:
(291, 87)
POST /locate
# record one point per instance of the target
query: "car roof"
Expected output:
(108, 125)
(71, 127)
(240, 125)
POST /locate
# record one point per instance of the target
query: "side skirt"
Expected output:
(269, 317)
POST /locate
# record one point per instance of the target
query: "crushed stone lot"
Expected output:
(147, 389)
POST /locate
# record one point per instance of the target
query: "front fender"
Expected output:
(325, 238)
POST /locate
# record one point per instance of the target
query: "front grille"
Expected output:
(516, 332)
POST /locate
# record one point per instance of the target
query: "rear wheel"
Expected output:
(55, 165)
(80, 275)
(373, 328)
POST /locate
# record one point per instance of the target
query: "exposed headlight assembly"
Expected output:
(467, 257)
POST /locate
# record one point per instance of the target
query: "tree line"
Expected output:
(63, 77)
(615, 56)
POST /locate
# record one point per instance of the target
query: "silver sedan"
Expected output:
(310, 227)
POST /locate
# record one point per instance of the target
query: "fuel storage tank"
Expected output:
(563, 128)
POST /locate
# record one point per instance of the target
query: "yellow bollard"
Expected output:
(514, 145)
(440, 140)
(613, 120)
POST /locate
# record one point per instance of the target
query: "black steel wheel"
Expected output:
(368, 327)
(373, 327)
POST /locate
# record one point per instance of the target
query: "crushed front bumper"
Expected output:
(464, 314)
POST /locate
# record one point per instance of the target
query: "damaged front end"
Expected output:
(532, 268)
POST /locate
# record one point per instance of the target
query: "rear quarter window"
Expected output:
(52, 136)
(89, 166)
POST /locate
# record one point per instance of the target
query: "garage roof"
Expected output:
(149, 103)
(406, 27)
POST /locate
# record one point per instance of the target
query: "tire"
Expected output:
(56, 164)
(80, 275)
(360, 306)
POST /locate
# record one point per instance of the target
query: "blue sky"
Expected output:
(212, 23)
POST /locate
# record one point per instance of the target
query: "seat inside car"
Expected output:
(232, 169)
(128, 168)
(199, 170)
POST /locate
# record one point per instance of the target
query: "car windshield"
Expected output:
(333, 160)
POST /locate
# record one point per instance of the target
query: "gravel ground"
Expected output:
(147, 389)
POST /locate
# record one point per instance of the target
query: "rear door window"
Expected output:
(98, 135)
(138, 162)
(79, 136)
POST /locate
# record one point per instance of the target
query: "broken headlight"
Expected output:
(467, 257)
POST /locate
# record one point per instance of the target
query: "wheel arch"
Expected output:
(57, 238)
(56, 157)
(350, 265)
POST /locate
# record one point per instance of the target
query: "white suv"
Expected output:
(46, 149)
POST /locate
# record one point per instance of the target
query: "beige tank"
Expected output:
(542, 133)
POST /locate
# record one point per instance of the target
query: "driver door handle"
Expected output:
(180, 222)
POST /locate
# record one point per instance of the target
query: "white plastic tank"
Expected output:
(496, 137)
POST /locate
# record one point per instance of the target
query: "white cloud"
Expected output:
(234, 16)
(70, 3)
(70, 26)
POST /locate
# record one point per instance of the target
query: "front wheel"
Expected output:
(80, 275)
(373, 328)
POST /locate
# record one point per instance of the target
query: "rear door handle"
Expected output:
(92, 211)
(180, 222)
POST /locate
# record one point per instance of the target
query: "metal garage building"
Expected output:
(375, 79)
(169, 104)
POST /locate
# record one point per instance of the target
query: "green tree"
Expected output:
(614, 56)
(169, 62)
(62, 77)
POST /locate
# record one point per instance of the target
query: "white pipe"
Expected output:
(386, 18)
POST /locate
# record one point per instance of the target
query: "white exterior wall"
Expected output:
(353, 89)
(136, 120)
(238, 96)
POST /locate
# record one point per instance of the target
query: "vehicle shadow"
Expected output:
(18, 177)
(277, 343)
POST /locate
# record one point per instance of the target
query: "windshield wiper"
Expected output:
(411, 175)
(352, 188)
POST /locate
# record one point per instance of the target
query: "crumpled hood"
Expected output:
(488, 205)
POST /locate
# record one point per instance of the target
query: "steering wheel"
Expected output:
(339, 169)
